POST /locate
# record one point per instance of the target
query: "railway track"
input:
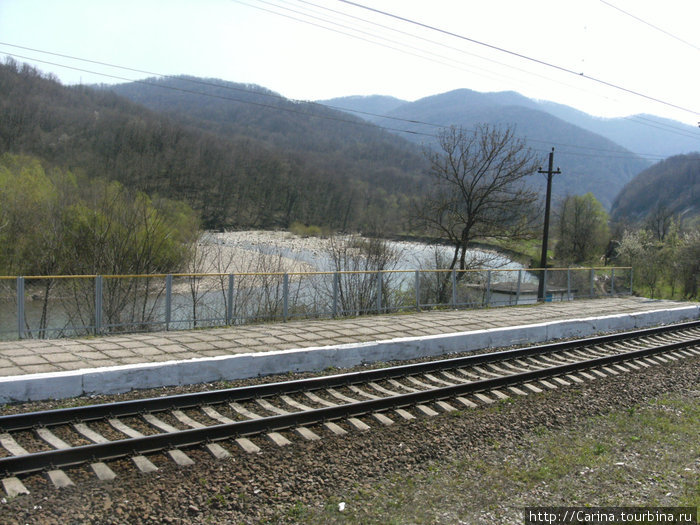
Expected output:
(94, 435)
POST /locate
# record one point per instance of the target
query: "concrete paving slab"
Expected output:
(25, 360)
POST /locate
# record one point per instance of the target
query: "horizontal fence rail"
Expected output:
(80, 305)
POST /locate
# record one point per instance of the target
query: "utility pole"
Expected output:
(545, 233)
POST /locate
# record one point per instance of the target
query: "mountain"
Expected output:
(264, 163)
(589, 162)
(642, 134)
(329, 139)
(672, 185)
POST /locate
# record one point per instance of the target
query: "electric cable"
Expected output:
(616, 154)
(522, 56)
(652, 25)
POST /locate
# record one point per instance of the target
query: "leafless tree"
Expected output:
(478, 189)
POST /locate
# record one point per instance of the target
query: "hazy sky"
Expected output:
(327, 48)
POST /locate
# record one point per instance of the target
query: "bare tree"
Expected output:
(478, 188)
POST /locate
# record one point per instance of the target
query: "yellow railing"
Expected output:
(74, 305)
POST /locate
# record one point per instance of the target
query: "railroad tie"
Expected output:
(177, 455)
(304, 432)
(12, 485)
(214, 449)
(357, 423)
(401, 386)
(517, 391)
(246, 444)
(59, 478)
(483, 398)
(399, 411)
(384, 420)
(437, 380)
(142, 462)
(466, 402)
(277, 438)
(332, 427)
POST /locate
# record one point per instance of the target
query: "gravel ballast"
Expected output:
(295, 483)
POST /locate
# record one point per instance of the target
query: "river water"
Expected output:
(293, 253)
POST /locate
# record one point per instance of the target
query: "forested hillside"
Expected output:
(235, 173)
(328, 139)
(672, 185)
(589, 162)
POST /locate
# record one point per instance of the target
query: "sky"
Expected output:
(605, 57)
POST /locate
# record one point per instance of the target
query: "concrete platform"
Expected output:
(61, 368)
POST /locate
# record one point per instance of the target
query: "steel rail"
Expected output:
(154, 443)
(88, 413)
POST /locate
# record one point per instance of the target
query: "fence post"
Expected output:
(168, 299)
(417, 287)
(229, 300)
(98, 304)
(379, 292)
(631, 280)
(592, 283)
(285, 297)
(454, 288)
(612, 282)
(488, 288)
(544, 288)
(20, 307)
(517, 293)
(336, 287)
(568, 284)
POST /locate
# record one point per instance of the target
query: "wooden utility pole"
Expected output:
(545, 233)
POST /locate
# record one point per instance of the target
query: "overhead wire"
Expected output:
(212, 95)
(411, 121)
(439, 59)
(418, 37)
(670, 129)
(615, 154)
(657, 125)
(667, 33)
(522, 56)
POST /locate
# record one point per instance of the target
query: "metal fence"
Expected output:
(82, 305)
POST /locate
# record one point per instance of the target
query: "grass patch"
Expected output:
(645, 456)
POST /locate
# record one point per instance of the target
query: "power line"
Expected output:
(616, 154)
(652, 25)
(522, 56)
(413, 36)
(438, 60)
(667, 128)
(676, 131)
(232, 99)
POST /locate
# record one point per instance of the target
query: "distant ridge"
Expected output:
(642, 134)
(589, 161)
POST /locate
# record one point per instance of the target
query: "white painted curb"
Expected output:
(117, 379)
